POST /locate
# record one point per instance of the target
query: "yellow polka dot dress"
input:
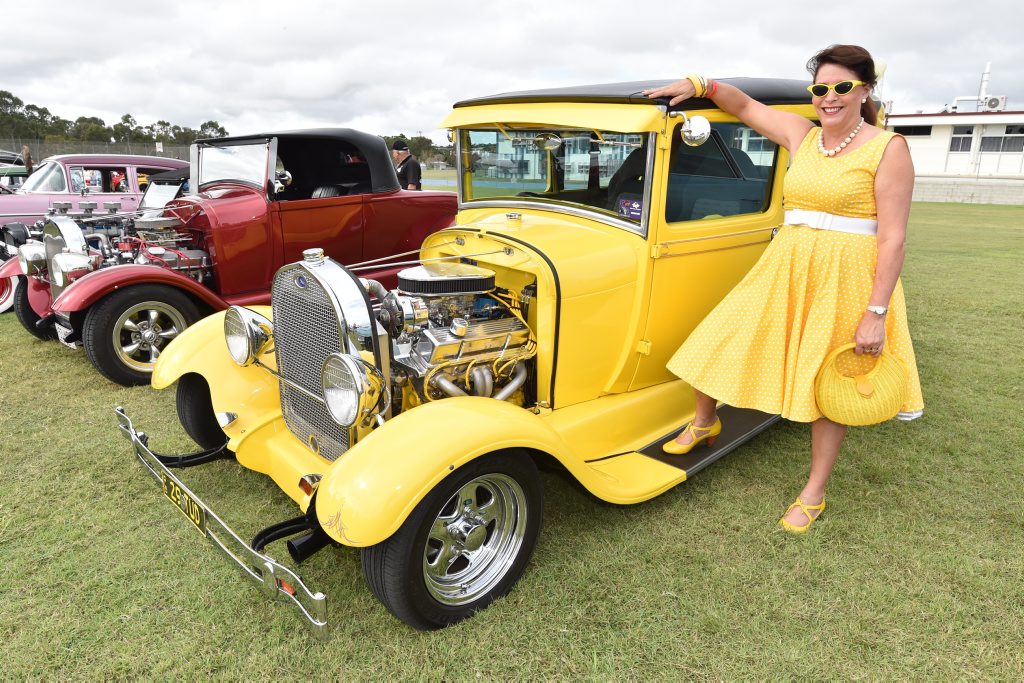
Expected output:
(762, 346)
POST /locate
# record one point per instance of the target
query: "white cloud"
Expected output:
(390, 67)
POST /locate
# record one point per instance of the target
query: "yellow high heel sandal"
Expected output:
(807, 510)
(707, 434)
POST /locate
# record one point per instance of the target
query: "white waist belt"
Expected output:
(829, 221)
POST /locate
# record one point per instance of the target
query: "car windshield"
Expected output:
(158, 194)
(47, 178)
(588, 170)
(245, 162)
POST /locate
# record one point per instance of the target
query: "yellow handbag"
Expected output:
(875, 396)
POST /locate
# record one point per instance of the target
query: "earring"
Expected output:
(864, 100)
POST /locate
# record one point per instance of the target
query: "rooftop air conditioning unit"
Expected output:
(995, 103)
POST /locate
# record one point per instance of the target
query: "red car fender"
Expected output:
(40, 299)
(85, 292)
(10, 268)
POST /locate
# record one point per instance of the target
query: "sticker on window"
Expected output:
(630, 208)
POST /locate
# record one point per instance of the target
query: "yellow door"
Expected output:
(722, 201)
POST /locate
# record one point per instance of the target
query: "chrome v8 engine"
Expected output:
(454, 334)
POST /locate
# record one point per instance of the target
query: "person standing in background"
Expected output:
(408, 168)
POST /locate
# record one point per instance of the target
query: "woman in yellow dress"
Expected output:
(830, 276)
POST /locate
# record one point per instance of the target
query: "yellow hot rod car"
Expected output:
(596, 229)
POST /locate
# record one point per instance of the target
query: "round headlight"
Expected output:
(31, 257)
(247, 334)
(236, 338)
(352, 389)
(67, 267)
(342, 388)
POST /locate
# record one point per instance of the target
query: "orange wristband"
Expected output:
(712, 89)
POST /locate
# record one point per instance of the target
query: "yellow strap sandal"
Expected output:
(707, 434)
(807, 510)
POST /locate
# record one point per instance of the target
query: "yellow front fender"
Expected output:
(369, 492)
(249, 392)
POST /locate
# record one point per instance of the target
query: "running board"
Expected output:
(739, 425)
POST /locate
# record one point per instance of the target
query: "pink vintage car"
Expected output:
(79, 178)
(125, 290)
(68, 180)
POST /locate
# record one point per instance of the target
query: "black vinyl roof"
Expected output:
(371, 147)
(766, 90)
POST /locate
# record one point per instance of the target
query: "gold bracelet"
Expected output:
(700, 86)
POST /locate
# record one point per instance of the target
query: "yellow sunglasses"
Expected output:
(841, 88)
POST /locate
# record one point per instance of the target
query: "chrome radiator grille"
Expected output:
(306, 331)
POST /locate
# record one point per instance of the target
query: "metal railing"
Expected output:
(40, 149)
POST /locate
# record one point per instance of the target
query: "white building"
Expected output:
(971, 157)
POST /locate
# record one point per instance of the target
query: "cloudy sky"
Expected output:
(390, 67)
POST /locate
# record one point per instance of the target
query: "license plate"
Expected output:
(63, 333)
(195, 512)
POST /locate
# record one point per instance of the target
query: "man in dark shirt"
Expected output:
(408, 169)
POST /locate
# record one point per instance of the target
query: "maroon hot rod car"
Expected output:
(259, 201)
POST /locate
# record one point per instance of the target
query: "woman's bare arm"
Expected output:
(783, 128)
(894, 185)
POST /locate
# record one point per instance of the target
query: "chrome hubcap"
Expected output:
(143, 331)
(475, 538)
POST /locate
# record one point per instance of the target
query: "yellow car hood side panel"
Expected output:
(590, 256)
(598, 287)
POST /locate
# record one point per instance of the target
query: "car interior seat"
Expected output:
(629, 177)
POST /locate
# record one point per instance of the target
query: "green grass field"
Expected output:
(915, 571)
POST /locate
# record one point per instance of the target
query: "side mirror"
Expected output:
(282, 179)
(695, 130)
(547, 142)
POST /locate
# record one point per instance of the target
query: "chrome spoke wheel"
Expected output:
(475, 538)
(143, 331)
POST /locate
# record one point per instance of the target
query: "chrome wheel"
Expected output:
(474, 539)
(463, 546)
(143, 331)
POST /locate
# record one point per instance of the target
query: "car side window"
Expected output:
(94, 179)
(728, 175)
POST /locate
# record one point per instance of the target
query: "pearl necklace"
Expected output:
(836, 150)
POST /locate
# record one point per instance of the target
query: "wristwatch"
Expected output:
(880, 310)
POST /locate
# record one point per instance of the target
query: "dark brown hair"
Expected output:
(856, 59)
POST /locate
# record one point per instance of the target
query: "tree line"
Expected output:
(20, 121)
(30, 122)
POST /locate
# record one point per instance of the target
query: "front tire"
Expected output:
(26, 316)
(466, 544)
(125, 333)
(195, 411)
(8, 288)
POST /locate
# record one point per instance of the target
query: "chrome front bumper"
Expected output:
(275, 580)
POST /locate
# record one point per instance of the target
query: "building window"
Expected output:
(991, 143)
(908, 131)
(1013, 143)
(961, 140)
